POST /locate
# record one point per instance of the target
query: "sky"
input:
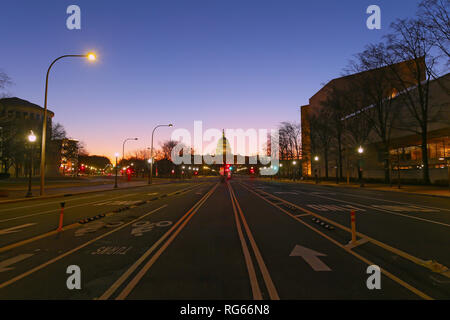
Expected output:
(229, 63)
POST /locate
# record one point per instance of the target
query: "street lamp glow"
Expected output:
(360, 150)
(170, 125)
(31, 137)
(116, 154)
(91, 56)
(294, 163)
(316, 158)
(281, 165)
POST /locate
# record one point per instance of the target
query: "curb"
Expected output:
(73, 194)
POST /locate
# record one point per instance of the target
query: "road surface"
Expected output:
(244, 239)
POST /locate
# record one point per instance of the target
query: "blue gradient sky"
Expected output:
(230, 63)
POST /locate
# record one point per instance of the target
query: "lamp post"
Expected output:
(150, 175)
(279, 171)
(90, 57)
(295, 169)
(123, 146)
(360, 151)
(448, 169)
(31, 139)
(316, 159)
(115, 178)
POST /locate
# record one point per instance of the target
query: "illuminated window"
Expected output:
(394, 93)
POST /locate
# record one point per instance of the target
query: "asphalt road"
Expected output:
(245, 239)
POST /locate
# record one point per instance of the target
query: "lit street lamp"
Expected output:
(115, 178)
(150, 175)
(360, 151)
(90, 57)
(316, 159)
(32, 140)
(295, 170)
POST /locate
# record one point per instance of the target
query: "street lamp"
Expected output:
(91, 57)
(115, 178)
(123, 146)
(316, 159)
(360, 151)
(294, 170)
(150, 175)
(32, 140)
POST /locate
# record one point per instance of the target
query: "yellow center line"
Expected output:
(51, 261)
(385, 272)
(379, 209)
(132, 284)
(383, 245)
(262, 266)
(67, 227)
(248, 260)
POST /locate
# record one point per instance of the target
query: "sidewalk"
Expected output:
(17, 193)
(411, 189)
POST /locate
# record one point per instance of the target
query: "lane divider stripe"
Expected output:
(256, 291)
(51, 261)
(262, 266)
(385, 272)
(51, 233)
(147, 266)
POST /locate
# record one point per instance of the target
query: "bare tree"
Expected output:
(167, 148)
(412, 41)
(321, 135)
(378, 89)
(58, 132)
(289, 140)
(335, 109)
(435, 17)
(5, 81)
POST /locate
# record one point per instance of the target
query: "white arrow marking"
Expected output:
(310, 256)
(4, 264)
(15, 229)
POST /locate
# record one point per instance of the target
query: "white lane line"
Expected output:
(5, 265)
(67, 208)
(392, 201)
(48, 203)
(383, 210)
(16, 228)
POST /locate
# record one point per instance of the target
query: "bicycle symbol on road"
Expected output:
(140, 227)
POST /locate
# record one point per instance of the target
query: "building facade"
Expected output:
(404, 154)
(17, 118)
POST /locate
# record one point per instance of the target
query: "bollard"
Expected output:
(61, 217)
(353, 225)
